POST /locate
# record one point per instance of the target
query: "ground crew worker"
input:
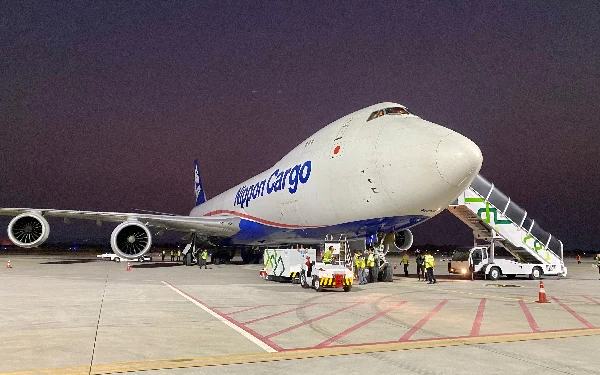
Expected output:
(420, 268)
(163, 255)
(362, 280)
(178, 255)
(578, 259)
(405, 262)
(203, 256)
(172, 256)
(356, 260)
(597, 259)
(371, 265)
(429, 263)
(327, 255)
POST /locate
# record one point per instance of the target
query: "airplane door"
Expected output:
(337, 149)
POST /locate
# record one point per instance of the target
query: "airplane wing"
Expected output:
(223, 225)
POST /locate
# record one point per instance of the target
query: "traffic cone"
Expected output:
(8, 264)
(542, 295)
(128, 267)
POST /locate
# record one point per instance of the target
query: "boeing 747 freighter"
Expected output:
(381, 169)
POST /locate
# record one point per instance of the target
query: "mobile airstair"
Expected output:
(494, 217)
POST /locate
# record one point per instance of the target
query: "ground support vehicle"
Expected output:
(285, 264)
(477, 260)
(498, 221)
(320, 276)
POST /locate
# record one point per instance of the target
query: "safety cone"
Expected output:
(542, 297)
(8, 264)
(128, 267)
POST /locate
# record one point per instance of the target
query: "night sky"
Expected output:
(104, 106)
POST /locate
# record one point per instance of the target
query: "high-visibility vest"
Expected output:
(171, 252)
(356, 257)
(204, 255)
(371, 261)
(178, 253)
(429, 261)
(362, 262)
(327, 256)
(405, 259)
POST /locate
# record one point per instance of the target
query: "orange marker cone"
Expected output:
(542, 296)
(128, 267)
(8, 264)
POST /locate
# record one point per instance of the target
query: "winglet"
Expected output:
(198, 190)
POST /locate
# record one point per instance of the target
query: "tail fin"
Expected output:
(200, 195)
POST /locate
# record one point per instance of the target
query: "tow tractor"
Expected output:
(337, 274)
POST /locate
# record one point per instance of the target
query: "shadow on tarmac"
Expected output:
(70, 261)
(157, 265)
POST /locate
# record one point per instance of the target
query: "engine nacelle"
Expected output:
(130, 239)
(403, 239)
(29, 229)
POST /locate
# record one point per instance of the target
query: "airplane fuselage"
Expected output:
(359, 175)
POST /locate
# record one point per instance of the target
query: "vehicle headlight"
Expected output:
(464, 271)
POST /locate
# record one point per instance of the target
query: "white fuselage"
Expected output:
(355, 175)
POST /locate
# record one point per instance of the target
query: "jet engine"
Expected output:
(29, 229)
(130, 239)
(403, 239)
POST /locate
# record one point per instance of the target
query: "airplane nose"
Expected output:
(457, 159)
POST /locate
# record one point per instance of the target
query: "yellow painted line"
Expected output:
(306, 353)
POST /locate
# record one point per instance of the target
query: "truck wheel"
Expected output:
(303, 282)
(536, 273)
(117, 259)
(494, 273)
(318, 286)
(348, 288)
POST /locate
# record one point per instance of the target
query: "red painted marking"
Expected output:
(249, 308)
(422, 322)
(361, 324)
(439, 339)
(530, 319)
(278, 314)
(259, 220)
(577, 316)
(336, 150)
(233, 321)
(591, 299)
(478, 318)
(312, 320)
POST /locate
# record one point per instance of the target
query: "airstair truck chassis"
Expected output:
(478, 261)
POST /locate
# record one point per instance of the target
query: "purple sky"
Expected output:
(104, 107)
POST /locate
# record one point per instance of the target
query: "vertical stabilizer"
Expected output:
(198, 190)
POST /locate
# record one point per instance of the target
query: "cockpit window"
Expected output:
(375, 114)
(389, 111)
(396, 111)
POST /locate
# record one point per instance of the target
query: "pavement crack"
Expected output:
(98, 322)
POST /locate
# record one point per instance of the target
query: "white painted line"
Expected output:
(219, 317)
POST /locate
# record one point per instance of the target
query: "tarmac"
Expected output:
(77, 315)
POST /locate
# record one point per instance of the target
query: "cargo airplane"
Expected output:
(378, 171)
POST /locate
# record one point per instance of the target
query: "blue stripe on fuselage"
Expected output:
(252, 232)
